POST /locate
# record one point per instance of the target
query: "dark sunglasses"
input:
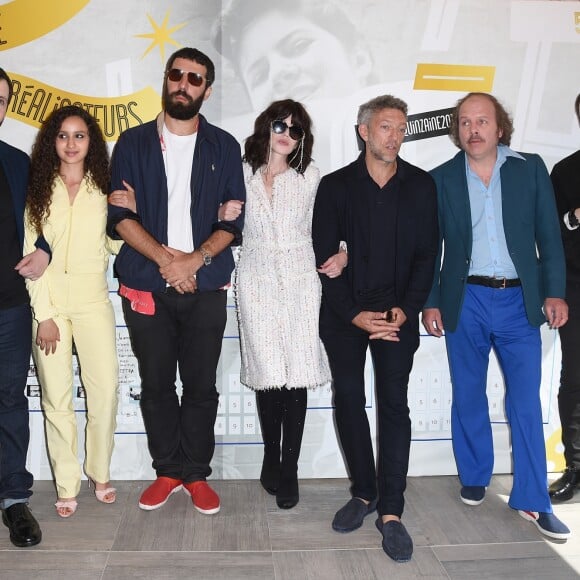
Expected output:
(296, 131)
(193, 78)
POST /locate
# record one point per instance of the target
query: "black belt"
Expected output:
(494, 282)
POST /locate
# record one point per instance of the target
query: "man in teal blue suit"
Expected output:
(500, 275)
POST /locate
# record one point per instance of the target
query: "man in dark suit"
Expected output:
(15, 340)
(385, 210)
(502, 277)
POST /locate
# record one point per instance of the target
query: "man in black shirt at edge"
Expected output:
(566, 181)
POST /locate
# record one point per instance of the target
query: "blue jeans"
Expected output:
(15, 344)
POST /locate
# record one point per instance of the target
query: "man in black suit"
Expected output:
(385, 209)
(566, 180)
(15, 338)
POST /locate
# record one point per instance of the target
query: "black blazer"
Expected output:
(15, 164)
(341, 215)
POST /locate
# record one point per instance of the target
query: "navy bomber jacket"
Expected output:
(216, 178)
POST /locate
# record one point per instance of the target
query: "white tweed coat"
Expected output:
(276, 285)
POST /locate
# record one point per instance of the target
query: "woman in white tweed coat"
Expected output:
(277, 289)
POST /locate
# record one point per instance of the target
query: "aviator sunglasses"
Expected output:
(193, 78)
(296, 131)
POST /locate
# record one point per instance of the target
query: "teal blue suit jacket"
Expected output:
(532, 234)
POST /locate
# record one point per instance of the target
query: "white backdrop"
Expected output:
(331, 55)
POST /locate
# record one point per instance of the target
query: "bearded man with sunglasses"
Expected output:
(174, 270)
(385, 209)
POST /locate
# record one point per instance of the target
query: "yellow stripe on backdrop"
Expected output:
(454, 77)
(33, 101)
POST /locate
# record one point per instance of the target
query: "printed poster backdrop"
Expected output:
(332, 55)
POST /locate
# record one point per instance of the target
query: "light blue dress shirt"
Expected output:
(489, 256)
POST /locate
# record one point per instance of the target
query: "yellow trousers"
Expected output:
(85, 316)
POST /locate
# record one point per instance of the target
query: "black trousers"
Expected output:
(185, 333)
(346, 346)
(569, 393)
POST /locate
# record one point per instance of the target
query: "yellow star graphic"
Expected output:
(161, 35)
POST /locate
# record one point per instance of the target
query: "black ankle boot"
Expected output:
(563, 489)
(287, 496)
(292, 428)
(270, 410)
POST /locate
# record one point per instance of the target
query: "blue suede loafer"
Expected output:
(351, 516)
(397, 542)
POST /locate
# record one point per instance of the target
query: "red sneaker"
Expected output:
(158, 492)
(205, 499)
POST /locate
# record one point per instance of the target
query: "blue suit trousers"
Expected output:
(496, 318)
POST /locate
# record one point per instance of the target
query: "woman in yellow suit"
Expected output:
(67, 204)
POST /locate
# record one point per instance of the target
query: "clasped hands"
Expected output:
(177, 268)
(180, 269)
(381, 325)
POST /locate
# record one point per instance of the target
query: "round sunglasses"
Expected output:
(193, 78)
(296, 131)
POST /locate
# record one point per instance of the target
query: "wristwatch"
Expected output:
(205, 255)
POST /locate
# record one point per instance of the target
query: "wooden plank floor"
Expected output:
(252, 539)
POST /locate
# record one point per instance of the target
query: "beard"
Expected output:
(182, 111)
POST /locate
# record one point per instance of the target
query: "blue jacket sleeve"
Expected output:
(235, 190)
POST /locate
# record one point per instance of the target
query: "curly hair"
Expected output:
(257, 146)
(45, 163)
(502, 117)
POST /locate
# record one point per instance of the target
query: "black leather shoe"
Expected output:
(287, 495)
(563, 489)
(24, 529)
